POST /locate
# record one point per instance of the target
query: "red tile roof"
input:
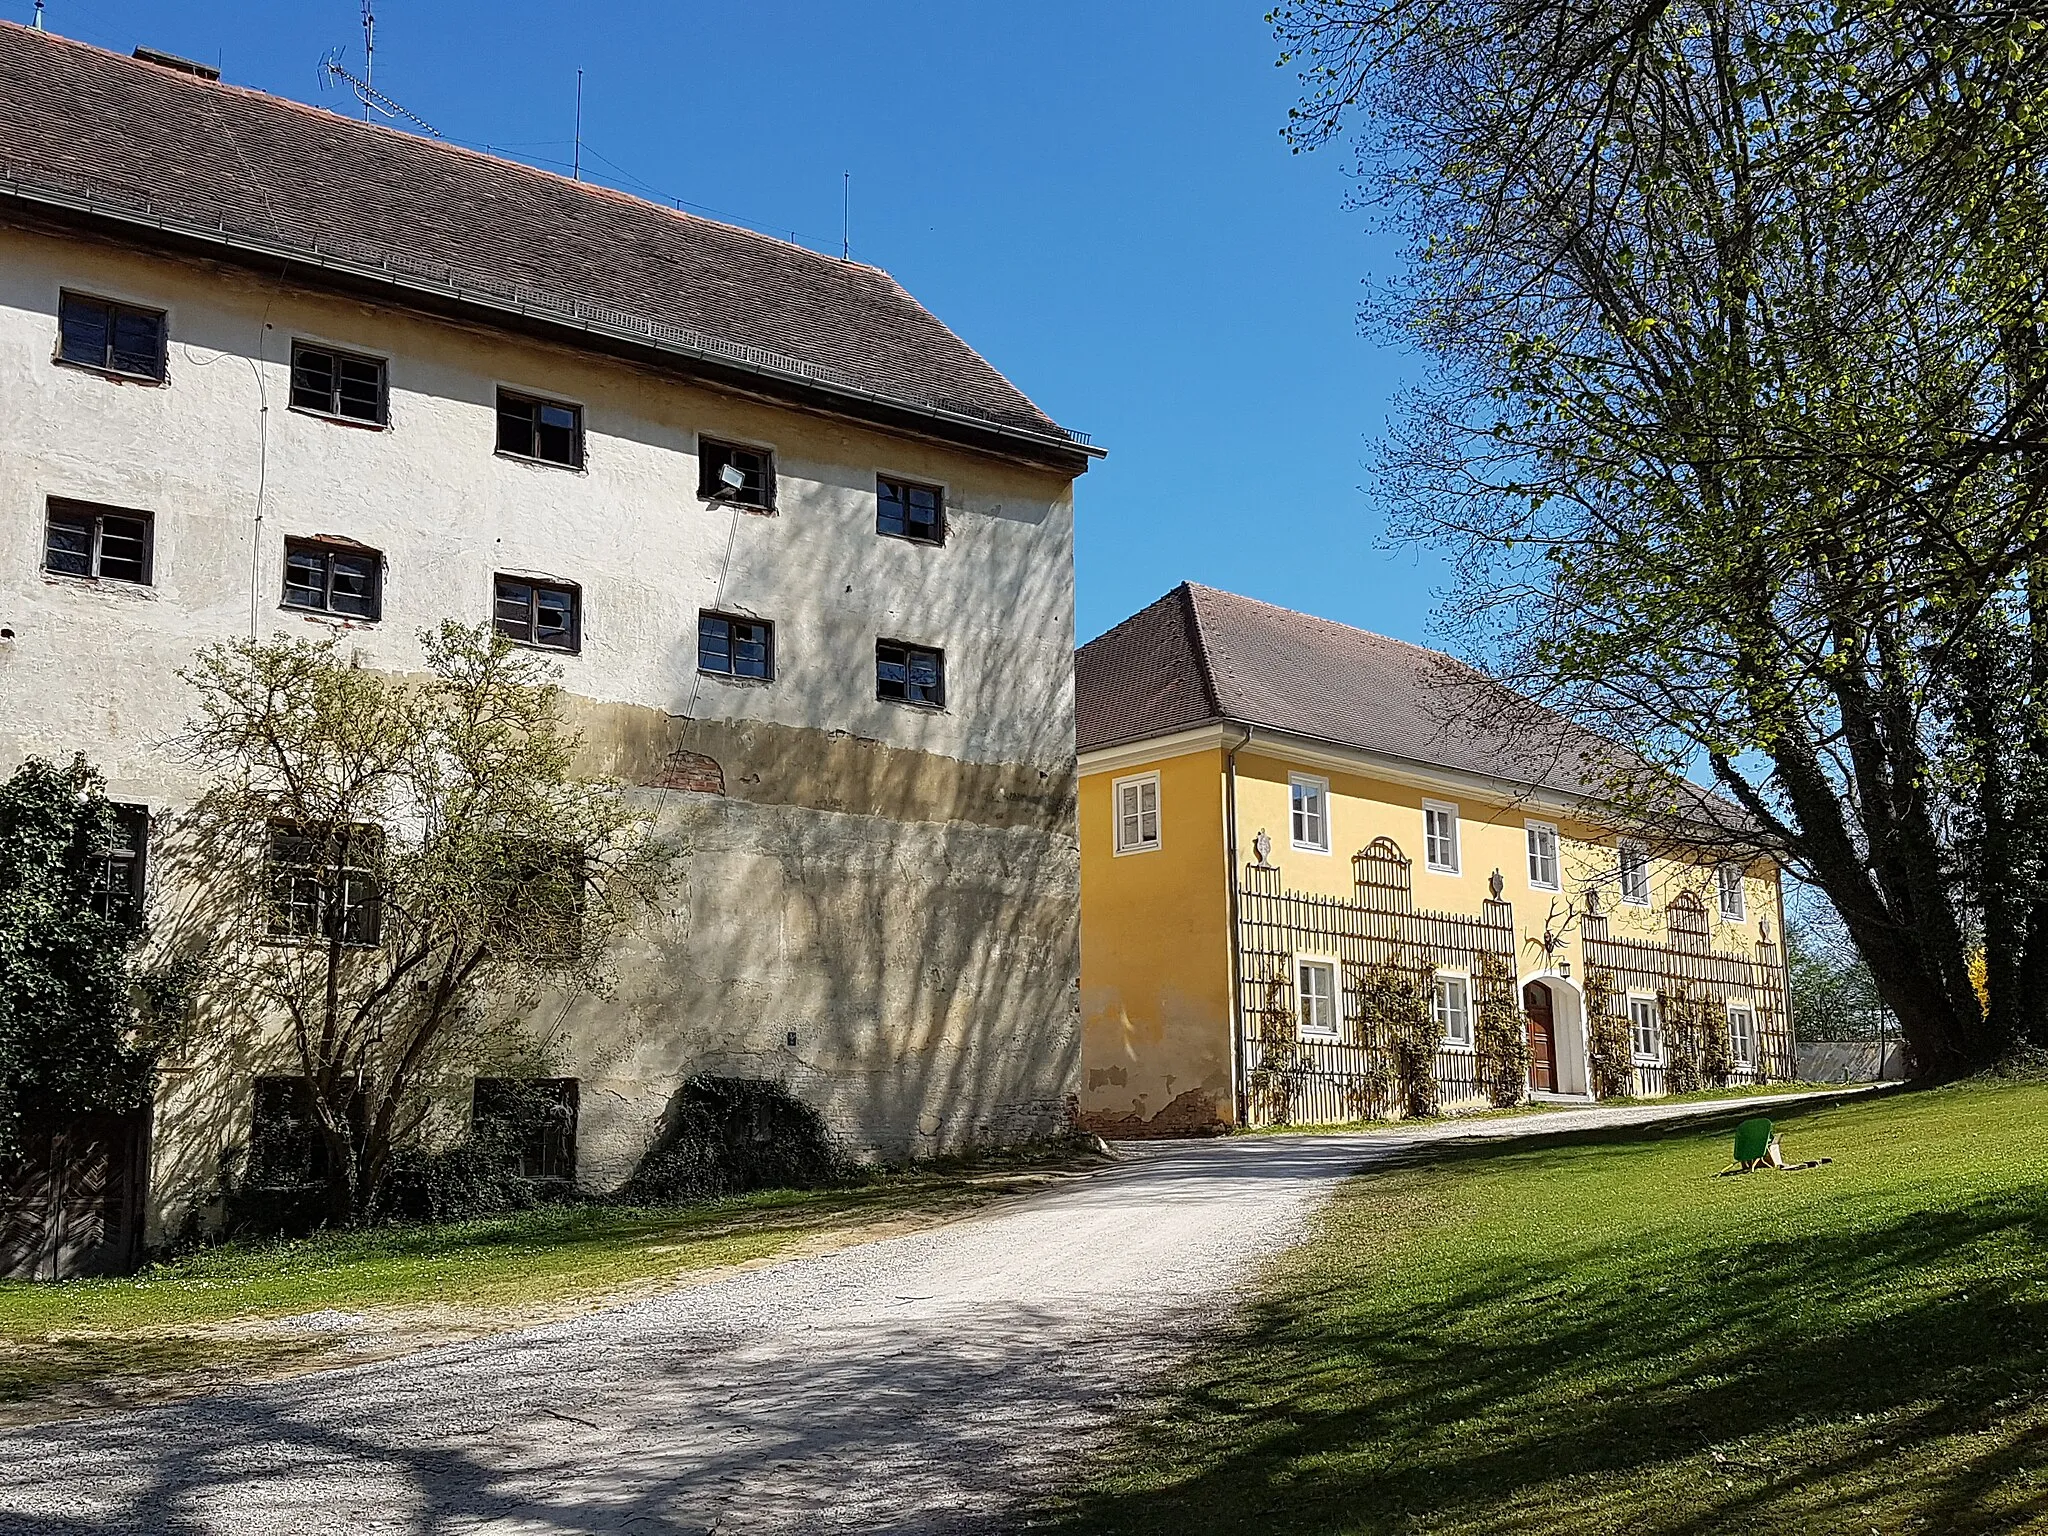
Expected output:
(189, 153)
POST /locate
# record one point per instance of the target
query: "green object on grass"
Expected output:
(1752, 1139)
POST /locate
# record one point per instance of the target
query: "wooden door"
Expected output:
(1542, 1038)
(71, 1204)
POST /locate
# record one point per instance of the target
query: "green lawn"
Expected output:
(187, 1321)
(1595, 1334)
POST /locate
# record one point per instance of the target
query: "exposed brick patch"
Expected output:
(1194, 1113)
(692, 771)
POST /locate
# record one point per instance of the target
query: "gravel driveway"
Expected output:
(922, 1383)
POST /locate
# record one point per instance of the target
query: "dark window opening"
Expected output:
(332, 578)
(114, 338)
(908, 511)
(99, 543)
(117, 875)
(339, 384)
(734, 647)
(546, 614)
(547, 430)
(530, 1122)
(323, 882)
(286, 1148)
(743, 477)
(911, 673)
(545, 890)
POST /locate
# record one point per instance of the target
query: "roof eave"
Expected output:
(998, 439)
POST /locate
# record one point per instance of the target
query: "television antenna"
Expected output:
(373, 100)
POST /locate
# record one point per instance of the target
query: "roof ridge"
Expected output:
(1328, 623)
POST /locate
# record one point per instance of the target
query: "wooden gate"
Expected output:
(72, 1203)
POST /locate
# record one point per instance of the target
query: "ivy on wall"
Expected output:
(1271, 1080)
(1607, 1044)
(1500, 1033)
(1679, 1012)
(1399, 1027)
(1716, 1066)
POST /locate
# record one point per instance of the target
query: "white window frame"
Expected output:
(1748, 1012)
(1556, 882)
(1656, 1017)
(1116, 814)
(1321, 787)
(1628, 847)
(1334, 1030)
(1740, 889)
(1441, 1015)
(1457, 860)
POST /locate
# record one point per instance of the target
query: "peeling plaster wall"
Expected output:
(896, 886)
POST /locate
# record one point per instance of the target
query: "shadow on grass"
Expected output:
(1885, 1373)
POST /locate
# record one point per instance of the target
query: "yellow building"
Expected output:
(1326, 876)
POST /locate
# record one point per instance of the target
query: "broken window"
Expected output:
(531, 1121)
(325, 576)
(100, 543)
(323, 882)
(340, 384)
(911, 673)
(905, 510)
(734, 647)
(543, 613)
(117, 874)
(548, 430)
(743, 477)
(114, 338)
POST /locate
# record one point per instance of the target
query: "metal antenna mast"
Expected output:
(576, 170)
(39, 15)
(846, 215)
(369, 54)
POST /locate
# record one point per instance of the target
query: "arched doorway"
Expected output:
(1541, 1017)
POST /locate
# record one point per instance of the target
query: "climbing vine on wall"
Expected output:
(1372, 1093)
(1500, 1035)
(1607, 1045)
(1271, 1080)
(1680, 1012)
(1715, 1063)
(1394, 1011)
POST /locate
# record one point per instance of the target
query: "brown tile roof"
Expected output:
(1199, 655)
(172, 147)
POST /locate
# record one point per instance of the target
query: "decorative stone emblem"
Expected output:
(1495, 884)
(1593, 901)
(1763, 929)
(1262, 846)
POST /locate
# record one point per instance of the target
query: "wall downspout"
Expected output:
(1236, 939)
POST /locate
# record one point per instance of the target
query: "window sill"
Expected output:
(1310, 848)
(1548, 890)
(346, 421)
(526, 458)
(113, 375)
(916, 704)
(735, 682)
(1442, 869)
(308, 942)
(1458, 1047)
(756, 508)
(1138, 848)
(1317, 1036)
(328, 616)
(911, 538)
(110, 585)
(545, 650)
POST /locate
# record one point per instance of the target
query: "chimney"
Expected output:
(171, 61)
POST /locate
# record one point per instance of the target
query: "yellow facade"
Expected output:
(1156, 950)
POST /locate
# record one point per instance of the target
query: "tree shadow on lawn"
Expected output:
(1883, 1374)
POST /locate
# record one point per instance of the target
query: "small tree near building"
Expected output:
(409, 864)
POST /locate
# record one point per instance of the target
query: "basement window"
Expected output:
(327, 576)
(540, 613)
(738, 476)
(323, 882)
(338, 384)
(119, 339)
(910, 674)
(728, 646)
(530, 1122)
(98, 543)
(545, 431)
(905, 510)
(117, 875)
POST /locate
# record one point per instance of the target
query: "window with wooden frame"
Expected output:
(906, 510)
(286, 1149)
(1728, 886)
(1742, 1034)
(98, 543)
(735, 474)
(124, 340)
(329, 576)
(1308, 817)
(1316, 998)
(730, 646)
(1440, 836)
(1645, 1030)
(1451, 1006)
(343, 385)
(1544, 874)
(120, 873)
(1635, 874)
(910, 674)
(530, 1122)
(323, 882)
(547, 614)
(544, 431)
(1137, 813)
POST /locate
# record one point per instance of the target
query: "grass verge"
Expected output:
(259, 1308)
(1594, 1333)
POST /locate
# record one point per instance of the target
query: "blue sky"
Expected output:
(1095, 195)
